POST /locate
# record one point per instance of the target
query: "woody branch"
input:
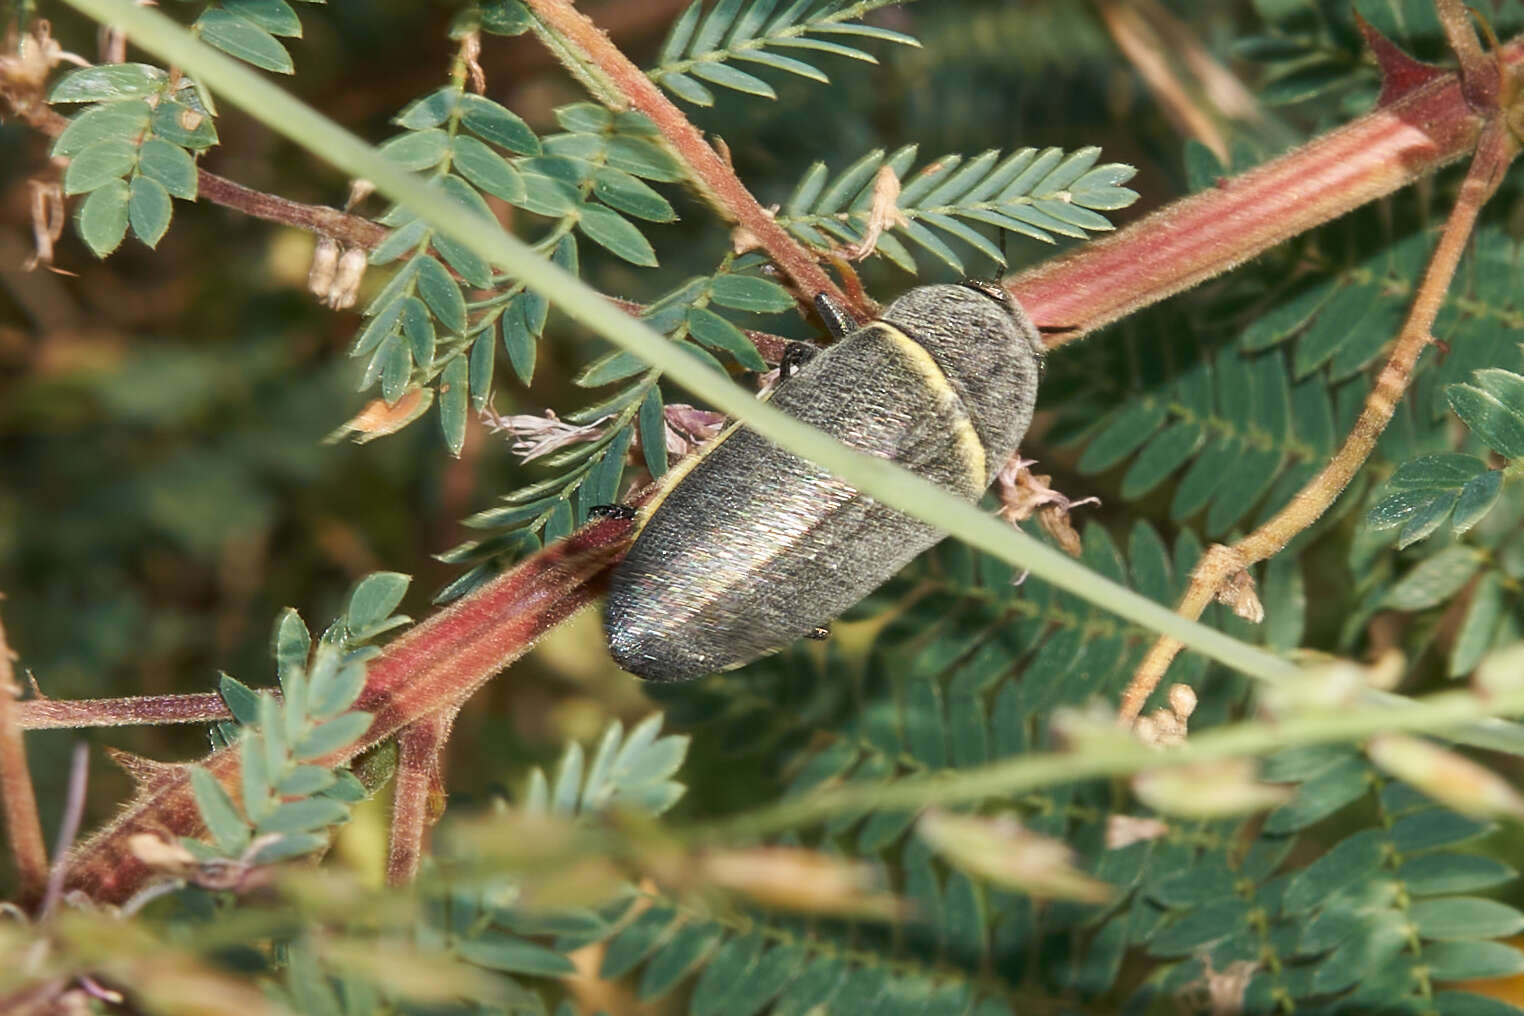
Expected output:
(1222, 572)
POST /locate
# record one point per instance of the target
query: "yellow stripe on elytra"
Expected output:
(921, 364)
(673, 476)
(925, 367)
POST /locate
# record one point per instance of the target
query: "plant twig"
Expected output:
(1191, 240)
(22, 825)
(349, 230)
(592, 50)
(418, 794)
(142, 710)
(434, 666)
(1221, 563)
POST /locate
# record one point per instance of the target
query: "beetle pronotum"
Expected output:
(747, 547)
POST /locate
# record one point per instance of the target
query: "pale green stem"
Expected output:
(885, 481)
(1444, 713)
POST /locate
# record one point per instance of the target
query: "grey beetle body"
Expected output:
(748, 547)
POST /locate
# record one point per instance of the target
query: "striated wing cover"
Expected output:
(756, 546)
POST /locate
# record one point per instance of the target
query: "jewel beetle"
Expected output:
(746, 547)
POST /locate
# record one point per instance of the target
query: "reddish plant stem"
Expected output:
(433, 667)
(1496, 151)
(1480, 79)
(1210, 232)
(709, 171)
(418, 794)
(23, 827)
(349, 230)
(145, 710)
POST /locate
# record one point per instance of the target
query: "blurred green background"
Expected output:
(164, 484)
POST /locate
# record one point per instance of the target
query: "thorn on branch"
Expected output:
(1400, 72)
(144, 772)
(359, 190)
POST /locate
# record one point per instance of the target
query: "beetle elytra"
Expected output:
(746, 547)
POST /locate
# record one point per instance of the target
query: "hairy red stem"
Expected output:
(430, 669)
(349, 230)
(710, 172)
(418, 792)
(1208, 233)
(144, 710)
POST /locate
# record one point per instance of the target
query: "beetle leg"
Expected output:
(611, 511)
(821, 631)
(838, 320)
(795, 355)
